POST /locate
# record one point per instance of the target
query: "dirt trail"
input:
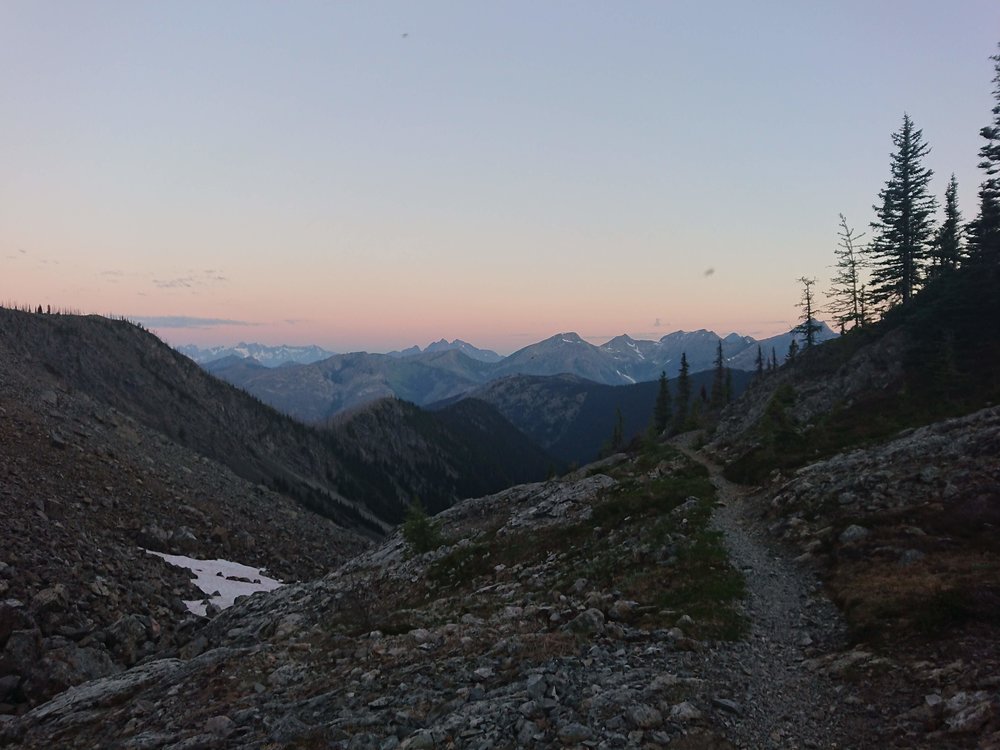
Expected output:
(784, 703)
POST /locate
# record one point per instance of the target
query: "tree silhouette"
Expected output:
(984, 231)
(809, 327)
(904, 226)
(663, 409)
(847, 288)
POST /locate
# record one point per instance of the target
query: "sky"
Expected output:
(371, 175)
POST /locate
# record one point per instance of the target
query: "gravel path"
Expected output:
(783, 703)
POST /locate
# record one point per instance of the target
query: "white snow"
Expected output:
(629, 378)
(218, 579)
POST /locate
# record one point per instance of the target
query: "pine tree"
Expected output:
(760, 362)
(984, 230)
(905, 226)
(809, 327)
(683, 392)
(774, 359)
(618, 432)
(663, 409)
(847, 286)
(719, 379)
(793, 351)
(947, 248)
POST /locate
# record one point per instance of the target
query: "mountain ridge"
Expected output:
(317, 391)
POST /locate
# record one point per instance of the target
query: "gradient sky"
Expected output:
(372, 175)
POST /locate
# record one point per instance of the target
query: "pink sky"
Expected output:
(501, 173)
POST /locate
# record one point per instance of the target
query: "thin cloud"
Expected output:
(185, 321)
(192, 279)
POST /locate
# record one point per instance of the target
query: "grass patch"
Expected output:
(646, 538)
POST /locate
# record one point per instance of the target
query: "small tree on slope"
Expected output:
(809, 326)
(847, 288)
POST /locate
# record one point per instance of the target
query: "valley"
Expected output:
(842, 594)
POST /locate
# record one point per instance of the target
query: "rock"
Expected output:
(48, 607)
(127, 635)
(220, 726)
(573, 733)
(969, 712)
(728, 705)
(21, 652)
(684, 713)
(588, 622)
(13, 616)
(8, 684)
(622, 609)
(645, 716)
(421, 740)
(853, 534)
(910, 556)
(536, 686)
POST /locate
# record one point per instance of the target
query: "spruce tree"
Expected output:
(947, 248)
(847, 286)
(793, 351)
(809, 326)
(904, 226)
(760, 362)
(683, 392)
(719, 379)
(618, 432)
(984, 230)
(663, 410)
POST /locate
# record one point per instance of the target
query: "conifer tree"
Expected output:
(947, 248)
(663, 409)
(618, 433)
(760, 362)
(847, 286)
(793, 351)
(809, 326)
(904, 226)
(719, 378)
(984, 230)
(683, 392)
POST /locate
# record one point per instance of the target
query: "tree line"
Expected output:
(908, 247)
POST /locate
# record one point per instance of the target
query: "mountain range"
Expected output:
(318, 391)
(268, 356)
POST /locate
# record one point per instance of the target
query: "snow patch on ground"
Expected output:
(221, 580)
(629, 378)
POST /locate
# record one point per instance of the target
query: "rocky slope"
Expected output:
(83, 488)
(906, 535)
(597, 611)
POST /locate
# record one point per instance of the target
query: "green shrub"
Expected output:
(420, 533)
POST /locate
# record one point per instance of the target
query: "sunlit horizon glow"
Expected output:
(306, 174)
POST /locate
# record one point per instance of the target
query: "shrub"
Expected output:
(420, 533)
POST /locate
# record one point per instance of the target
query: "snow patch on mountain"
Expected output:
(221, 580)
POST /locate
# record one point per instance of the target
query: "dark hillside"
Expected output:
(573, 418)
(395, 449)
(935, 358)
(124, 366)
